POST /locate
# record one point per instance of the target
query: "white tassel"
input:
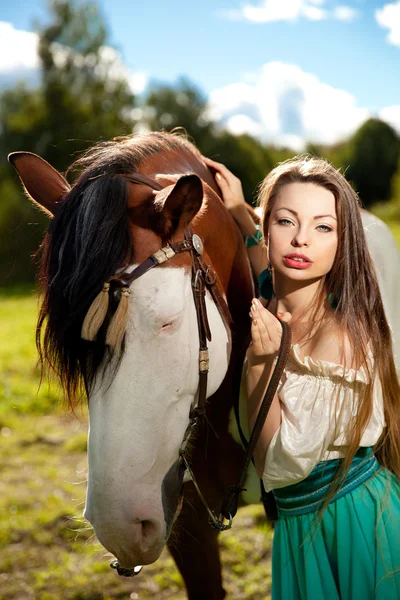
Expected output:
(96, 314)
(117, 327)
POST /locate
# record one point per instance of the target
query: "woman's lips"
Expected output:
(297, 261)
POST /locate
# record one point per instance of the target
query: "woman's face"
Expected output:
(303, 232)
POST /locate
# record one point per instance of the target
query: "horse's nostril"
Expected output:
(149, 530)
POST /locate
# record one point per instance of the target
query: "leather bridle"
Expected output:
(204, 278)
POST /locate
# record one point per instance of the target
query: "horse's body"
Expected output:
(386, 257)
(139, 403)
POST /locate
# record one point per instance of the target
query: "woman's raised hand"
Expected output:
(266, 333)
(228, 183)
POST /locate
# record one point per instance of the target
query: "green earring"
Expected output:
(265, 284)
(333, 300)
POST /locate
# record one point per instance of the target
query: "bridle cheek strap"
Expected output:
(203, 278)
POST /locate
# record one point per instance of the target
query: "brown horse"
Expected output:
(133, 196)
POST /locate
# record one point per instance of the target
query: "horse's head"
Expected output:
(139, 399)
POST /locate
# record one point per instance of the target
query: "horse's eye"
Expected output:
(173, 322)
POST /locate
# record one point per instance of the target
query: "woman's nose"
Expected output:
(300, 239)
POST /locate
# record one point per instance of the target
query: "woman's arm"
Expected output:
(266, 334)
(232, 194)
(257, 382)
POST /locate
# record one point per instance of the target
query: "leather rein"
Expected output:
(204, 278)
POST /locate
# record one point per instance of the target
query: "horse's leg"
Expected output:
(194, 547)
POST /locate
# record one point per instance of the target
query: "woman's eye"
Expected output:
(285, 222)
(324, 228)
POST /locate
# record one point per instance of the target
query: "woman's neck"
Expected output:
(297, 298)
(309, 315)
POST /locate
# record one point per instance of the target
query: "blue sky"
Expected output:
(284, 70)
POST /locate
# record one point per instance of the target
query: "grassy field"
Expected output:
(47, 551)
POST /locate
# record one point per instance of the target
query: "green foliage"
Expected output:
(390, 211)
(86, 97)
(244, 156)
(373, 154)
(21, 231)
(180, 106)
(337, 154)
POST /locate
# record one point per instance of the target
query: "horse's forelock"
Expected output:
(87, 241)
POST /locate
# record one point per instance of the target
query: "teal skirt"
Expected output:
(350, 550)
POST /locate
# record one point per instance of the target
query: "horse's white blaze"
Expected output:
(137, 421)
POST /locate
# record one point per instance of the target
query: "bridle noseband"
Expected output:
(204, 278)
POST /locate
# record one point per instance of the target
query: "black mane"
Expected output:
(87, 241)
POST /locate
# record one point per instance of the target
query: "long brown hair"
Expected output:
(358, 306)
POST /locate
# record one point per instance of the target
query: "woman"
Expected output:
(330, 447)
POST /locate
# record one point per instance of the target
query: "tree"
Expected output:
(373, 154)
(182, 105)
(86, 94)
(245, 156)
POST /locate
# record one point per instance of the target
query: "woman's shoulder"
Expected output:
(329, 354)
(330, 344)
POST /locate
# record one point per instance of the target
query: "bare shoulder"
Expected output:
(333, 345)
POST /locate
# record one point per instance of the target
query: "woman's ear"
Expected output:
(45, 186)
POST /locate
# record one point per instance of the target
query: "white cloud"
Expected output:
(314, 13)
(344, 13)
(391, 114)
(388, 17)
(19, 59)
(272, 10)
(268, 11)
(18, 54)
(287, 106)
(239, 124)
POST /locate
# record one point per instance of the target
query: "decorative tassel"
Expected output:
(96, 314)
(116, 329)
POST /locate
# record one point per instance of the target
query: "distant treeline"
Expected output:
(81, 99)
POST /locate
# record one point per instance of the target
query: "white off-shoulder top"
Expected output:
(318, 400)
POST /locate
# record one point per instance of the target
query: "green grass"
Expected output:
(47, 550)
(19, 373)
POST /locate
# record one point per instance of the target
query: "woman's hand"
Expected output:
(266, 333)
(230, 186)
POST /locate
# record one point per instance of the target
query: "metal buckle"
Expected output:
(210, 276)
(219, 524)
(198, 281)
(125, 572)
(197, 243)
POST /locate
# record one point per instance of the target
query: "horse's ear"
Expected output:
(176, 205)
(43, 184)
